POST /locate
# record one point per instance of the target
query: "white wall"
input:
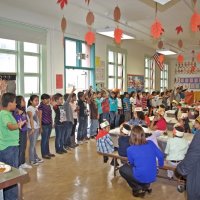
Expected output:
(55, 50)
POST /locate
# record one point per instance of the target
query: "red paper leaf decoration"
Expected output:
(195, 22)
(118, 35)
(117, 14)
(87, 1)
(180, 43)
(90, 18)
(90, 37)
(156, 29)
(198, 57)
(63, 24)
(62, 3)
(179, 29)
(161, 58)
(180, 59)
(160, 44)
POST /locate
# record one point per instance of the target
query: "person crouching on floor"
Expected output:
(104, 141)
(176, 148)
(141, 170)
(123, 140)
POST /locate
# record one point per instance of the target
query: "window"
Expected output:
(164, 78)
(149, 74)
(116, 68)
(23, 59)
(79, 64)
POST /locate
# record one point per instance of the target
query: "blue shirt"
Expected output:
(98, 101)
(126, 104)
(113, 104)
(123, 143)
(105, 144)
(137, 122)
(143, 161)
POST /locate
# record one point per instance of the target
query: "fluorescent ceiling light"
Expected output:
(110, 33)
(166, 52)
(162, 2)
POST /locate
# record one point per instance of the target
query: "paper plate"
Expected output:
(4, 168)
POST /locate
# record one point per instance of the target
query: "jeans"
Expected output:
(82, 128)
(127, 173)
(59, 141)
(10, 156)
(33, 139)
(67, 134)
(106, 116)
(46, 132)
(22, 146)
(74, 127)
(112, 119)
(93, 127)
(127, 115)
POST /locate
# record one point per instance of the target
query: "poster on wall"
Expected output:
(59, 81)
(135, 82)
(190, 82)
(7, 84)
(99, 72)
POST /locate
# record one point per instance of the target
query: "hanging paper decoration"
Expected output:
(180, 43)
(160, 44)
(117, 14)
(161, 58)
(156, 29)
(195, 19)
(87, 1)
(180, 59)
(198, 57)
(90, 37)
(62, 3)
(118, 35)
(90, 18)
(179, 29)
(63, 24)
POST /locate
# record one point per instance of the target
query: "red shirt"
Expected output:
(105, 106)
(161, 124)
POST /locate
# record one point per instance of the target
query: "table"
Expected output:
(15, 176)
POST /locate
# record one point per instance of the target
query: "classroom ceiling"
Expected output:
(137, 18)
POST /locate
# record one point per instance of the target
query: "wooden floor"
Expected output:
(82, 175)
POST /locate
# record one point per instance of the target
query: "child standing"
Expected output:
(123, 140)
(33, 128)
(9, 139)
(82, 118)
(144, 100)
(105, 106)
(45, 114)
(127, 107)
(93, 115)
(104, 141)
(113, 109)
(98, 102)
(73, 105)
(60, 118)
(176, 149)
(20, 114)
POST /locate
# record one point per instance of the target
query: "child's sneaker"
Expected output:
(34, 163)
(25, 166)
(39, 160)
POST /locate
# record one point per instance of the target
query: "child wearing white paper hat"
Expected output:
(123, 141)
(104, 141)
(176, 148)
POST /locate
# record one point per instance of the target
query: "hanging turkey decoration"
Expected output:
(180, 59)
(62, 3)
(179, 30)
(90, 36)
(156, 28)
(195, 19)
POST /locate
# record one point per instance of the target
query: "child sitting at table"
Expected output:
(123, 140)
(196, 128)
(176, 148)
(104, 141)
(138, 117)
(159, 122)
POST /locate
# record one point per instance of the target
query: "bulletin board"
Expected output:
(135, 82)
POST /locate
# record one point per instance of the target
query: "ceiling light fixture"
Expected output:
(166, 52)
(162, 2)
(109, 32)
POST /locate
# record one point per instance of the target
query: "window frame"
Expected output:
(164, 77)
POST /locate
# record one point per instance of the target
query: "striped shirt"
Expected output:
(144, 102)
(46, 113)
(105, 144)
(126, 104)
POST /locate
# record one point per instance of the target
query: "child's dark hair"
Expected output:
(32, 97)
(57, 96)
(66, 96)
(127, 127)
(73, 95)
(179, 128)
(45, 96)
(7, 98)
(140, 115)
(18, 102)
(80, 94)
(125, 93)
